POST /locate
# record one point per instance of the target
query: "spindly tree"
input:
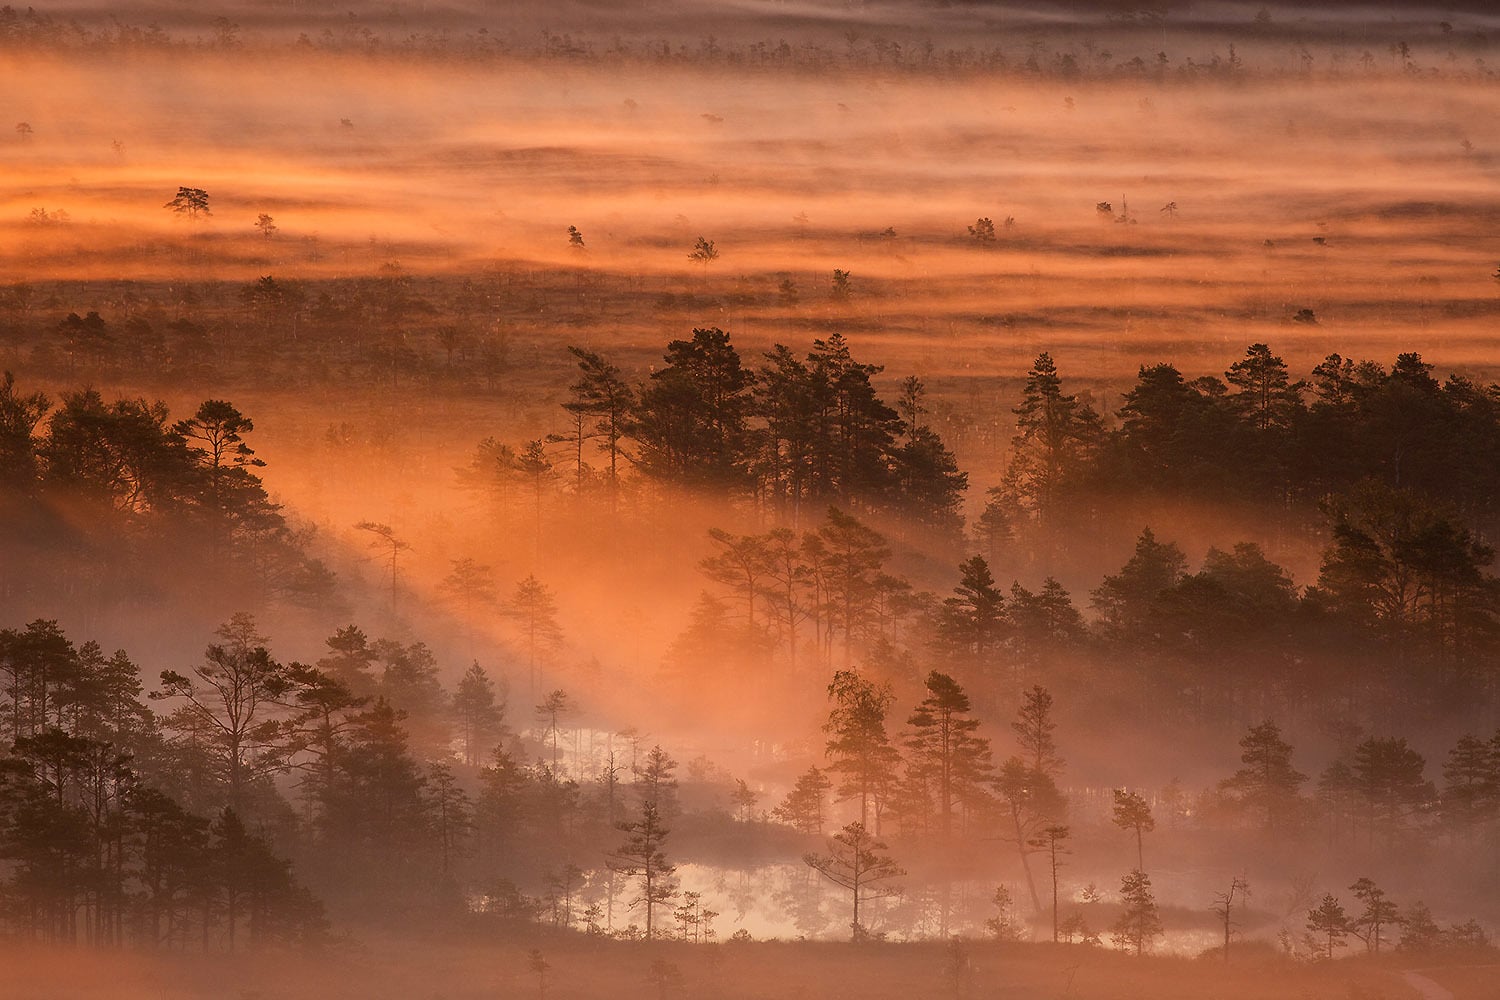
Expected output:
(534, 610)
(741, 563)
(383, 538)
(852, 557)
(237, 700)
(945, 750)
(858, 748)
(855, 861)
(1133, 812)
(601, 395)
(1378, 913)
(641, 857)
(480, 713)
(1053, 841)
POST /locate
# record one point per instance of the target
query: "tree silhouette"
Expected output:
(703, 252)
(550, 711)
(855, 862)
(1139, 923)
(945, 750)
(1052, 841)
(384, 537)
(1133, 812)
(189, 201)
(641, 857)
(1268, 783)
(238, 698)
(1379, 912)
(533, 608)
(1224, 903)
(1329, 922)
(858, 747)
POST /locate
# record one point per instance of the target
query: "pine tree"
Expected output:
(802, 809)
(858, 748)
(1329, 922)
(641, 857)
(1133, 812)
(971, 623)
(1267, 784)
(479, 712)
(854, 861)
(1139, 923)
(1379, 912)
(945, 749)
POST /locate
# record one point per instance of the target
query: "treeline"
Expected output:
(933, 788)
(1403, 618)
(119, 479)
(899, 49)
(1258, 437)
(393, 795)
(793, 434)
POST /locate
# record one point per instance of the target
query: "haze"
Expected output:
(1107, 556)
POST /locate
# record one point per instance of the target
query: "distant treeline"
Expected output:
(1140, 38)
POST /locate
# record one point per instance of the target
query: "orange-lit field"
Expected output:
(1307, 195)
(386, 971)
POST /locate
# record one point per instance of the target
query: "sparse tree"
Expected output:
(1224, 902)
(840, 288)
(190, 201)
(1133, 812)
(266, 225)
(539, 967)
(1002, 926)
(858, 748)
(1379, 912)
(744, 798)
(641, 857)
(1052, 841)
(946, 753)
(855, 862)
(982, 231)
(1139, 923)
(236, 702)
(533, 608)
(479, 712)
(550, 713)
(703, 252)
(802, 809)
(385, 537)
(1329, 922)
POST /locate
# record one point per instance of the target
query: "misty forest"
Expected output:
(767, 499)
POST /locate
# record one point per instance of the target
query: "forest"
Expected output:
(819, 499)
